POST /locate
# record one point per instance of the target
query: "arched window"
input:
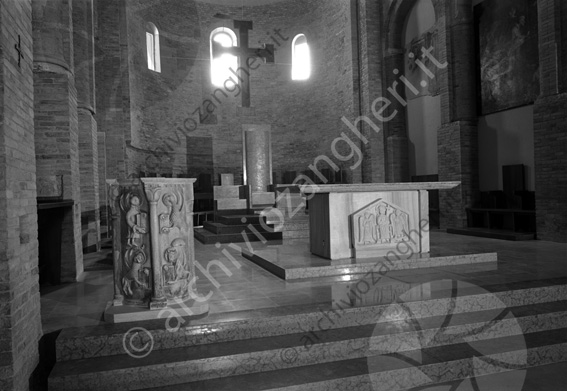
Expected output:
(221, 63)
(152, 47)
(300, 58)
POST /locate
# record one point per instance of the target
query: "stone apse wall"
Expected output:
(164, 132)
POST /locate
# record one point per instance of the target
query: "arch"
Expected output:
(221, 64)
(152, 47)
(300, 58)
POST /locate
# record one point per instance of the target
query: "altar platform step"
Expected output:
(207, 237)
(439, 333)
(235, 227)
(294, 261)
(492, 233)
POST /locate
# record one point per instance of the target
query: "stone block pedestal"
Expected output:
(153, 248)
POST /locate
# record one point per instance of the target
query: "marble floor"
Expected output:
(239, 289)
(236, 284)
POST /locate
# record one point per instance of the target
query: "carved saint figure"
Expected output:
(367, 228)
(136, 277)
(399, 224)
(383, 223)
(136, 221)
(175, 267)
(173, 217)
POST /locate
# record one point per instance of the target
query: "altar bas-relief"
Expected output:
(386, 225)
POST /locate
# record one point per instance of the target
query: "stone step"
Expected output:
(411, 370)
(208, 237)
(239, 219)
(495, 334)
(219, 228)
(282, 264)
(106, 340)
(230, 204)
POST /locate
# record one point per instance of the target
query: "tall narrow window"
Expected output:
(221, 61)
(152, 47)
(300, 58)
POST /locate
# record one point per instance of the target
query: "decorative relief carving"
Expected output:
(136, 280)
(176, 274)
(153, 191)
(380, 222)
(136, 219)
(174, 217)
(135, 270)
(153, 241)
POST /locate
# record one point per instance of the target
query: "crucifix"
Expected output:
(18, 47)
(246, 56)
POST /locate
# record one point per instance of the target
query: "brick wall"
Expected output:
(20, 324)
(305, 116)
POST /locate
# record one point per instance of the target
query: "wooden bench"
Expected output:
(517, 220)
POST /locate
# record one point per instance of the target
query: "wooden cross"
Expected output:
(244, 53)
(18, 47)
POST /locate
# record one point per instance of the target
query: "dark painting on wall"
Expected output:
(507, 54)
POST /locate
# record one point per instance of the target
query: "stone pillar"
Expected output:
(112, 90)
(105, 224)
(550, 123)
(370, 59)
(458, 136)
(83, 49)
(20, 321)
(56, 123)
(257, 163)
(396, 137)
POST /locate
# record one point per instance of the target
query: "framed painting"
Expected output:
(507, 54)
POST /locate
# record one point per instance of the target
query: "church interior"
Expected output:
(283, 195)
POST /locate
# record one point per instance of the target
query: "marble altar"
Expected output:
(371, 219)
(153, 248)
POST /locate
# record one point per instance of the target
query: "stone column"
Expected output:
(550, 123)
(83, 49)
(56, 123)
(20, 320)
(153, 193)
(370, 59)
(396, 137)
(458, 136)
(257, 163)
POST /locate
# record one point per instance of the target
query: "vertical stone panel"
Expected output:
(20, 323)
(258, 156)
